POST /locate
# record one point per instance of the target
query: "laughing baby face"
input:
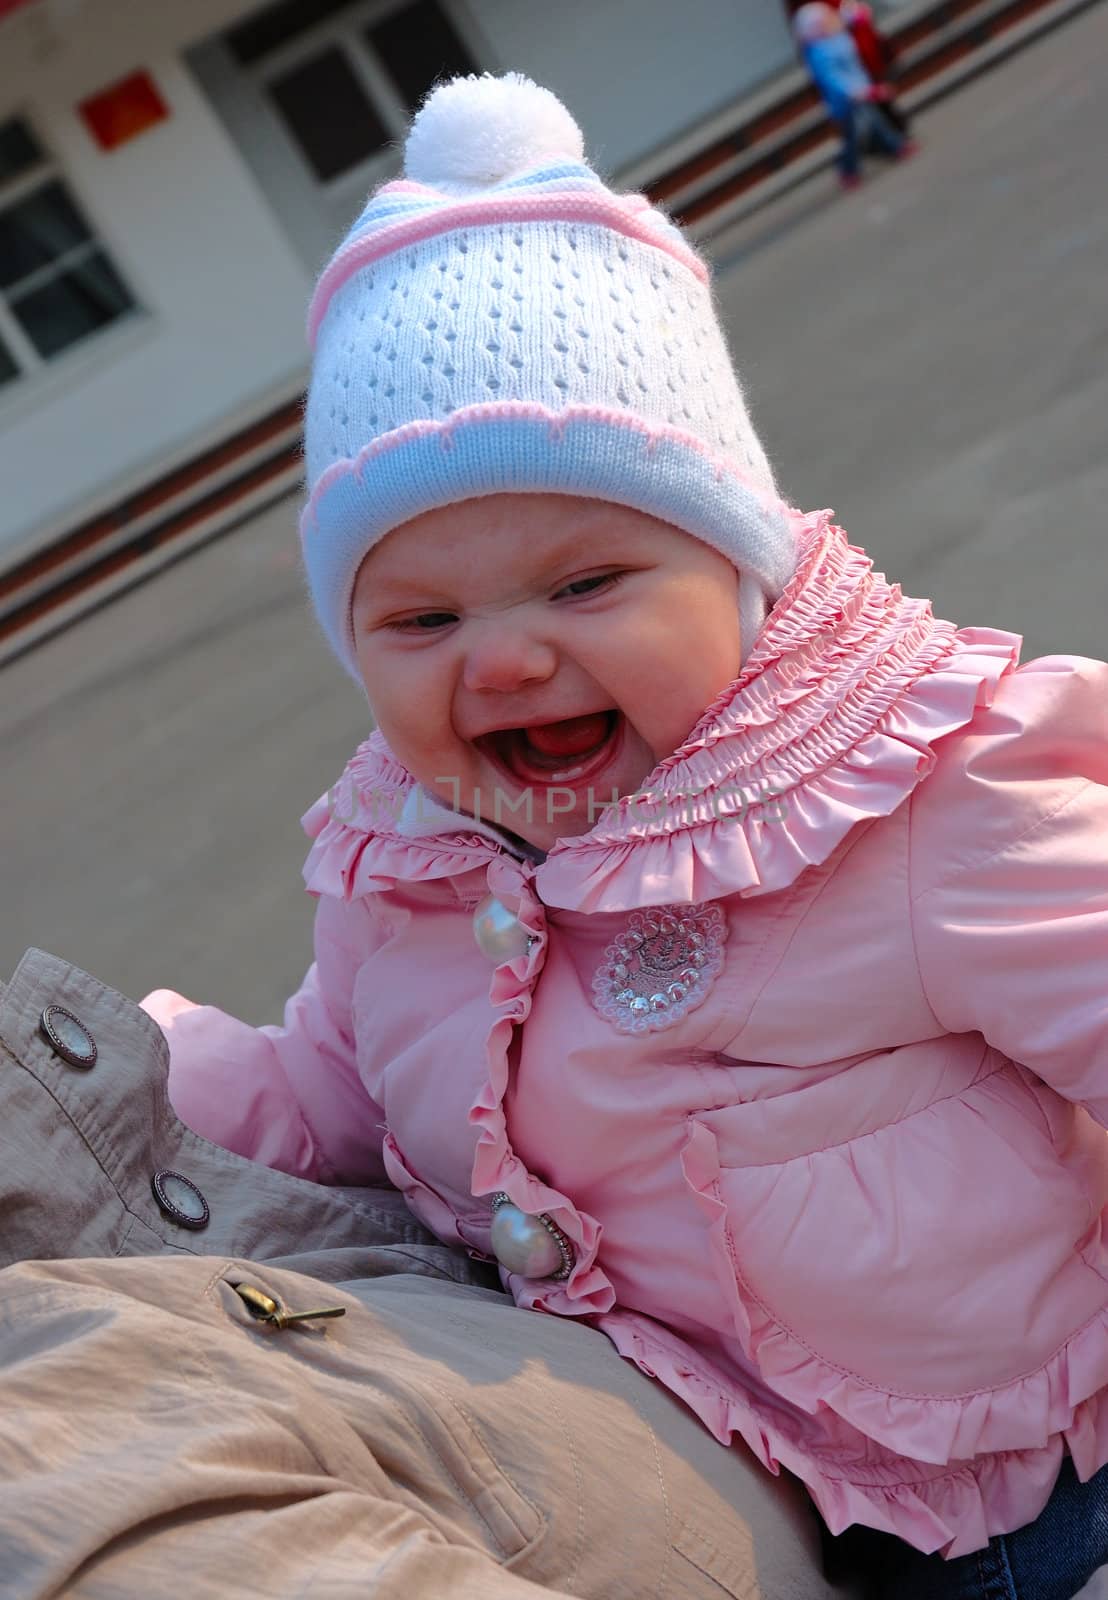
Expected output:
(530, 656)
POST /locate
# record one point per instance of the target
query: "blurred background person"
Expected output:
(878, 56)
(876, 49)
(851, 97)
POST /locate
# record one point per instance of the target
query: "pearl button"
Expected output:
(499, 933)
(523, 1244)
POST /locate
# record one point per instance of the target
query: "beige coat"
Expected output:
(435, 1441)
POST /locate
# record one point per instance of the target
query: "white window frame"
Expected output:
(12, 190)
(346, 31)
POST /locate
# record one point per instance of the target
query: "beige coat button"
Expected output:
(67, 1037)
(180, 1199)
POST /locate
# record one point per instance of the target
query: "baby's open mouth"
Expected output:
(557, 752)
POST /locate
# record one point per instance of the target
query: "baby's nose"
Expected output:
(502, 659)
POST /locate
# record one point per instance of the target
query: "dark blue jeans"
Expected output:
(1051, 1559)
(865, 122)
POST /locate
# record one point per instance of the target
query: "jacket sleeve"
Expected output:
(824, 79)
(1009, 873)
(288, 1097)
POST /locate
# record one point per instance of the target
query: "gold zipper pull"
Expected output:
(260, 1305)
(286, 1319)
(266, 1309)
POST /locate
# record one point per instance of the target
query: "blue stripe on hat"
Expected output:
(595, 458)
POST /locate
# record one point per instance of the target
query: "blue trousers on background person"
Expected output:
(865, 124)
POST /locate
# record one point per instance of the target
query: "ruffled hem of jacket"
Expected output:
(833, 722)
(954, 1507)
(1061, 1399)
(353, 855)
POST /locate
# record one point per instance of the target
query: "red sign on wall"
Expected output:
(123, 110)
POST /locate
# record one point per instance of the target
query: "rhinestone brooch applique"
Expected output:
(660, 967)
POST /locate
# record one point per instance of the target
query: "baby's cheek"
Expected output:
(422, 758)
(674, 716)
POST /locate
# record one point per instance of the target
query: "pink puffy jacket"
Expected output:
(841, 1182)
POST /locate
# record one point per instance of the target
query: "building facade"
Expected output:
(173, 173)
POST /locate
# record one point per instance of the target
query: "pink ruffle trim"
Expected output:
(354, 852)
(955, 1507)
(349, 858)
(587, 1290)
(832, 723)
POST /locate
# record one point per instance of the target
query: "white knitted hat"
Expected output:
(497, 320)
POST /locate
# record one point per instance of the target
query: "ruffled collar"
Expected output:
(831, 722)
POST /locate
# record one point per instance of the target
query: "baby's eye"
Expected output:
(425, 622)
(593, 585)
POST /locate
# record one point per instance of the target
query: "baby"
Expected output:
(708, 933)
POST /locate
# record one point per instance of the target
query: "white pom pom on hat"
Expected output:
(474, 132)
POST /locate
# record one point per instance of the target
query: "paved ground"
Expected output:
(927, 355)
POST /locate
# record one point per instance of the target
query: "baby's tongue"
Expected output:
(573, 737)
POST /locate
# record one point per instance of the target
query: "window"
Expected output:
(275, 26)
(57, 285)
(344, 75)
(326, 109)
(8, 368)
(419, 45)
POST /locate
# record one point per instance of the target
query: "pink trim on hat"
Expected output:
(604, 210)
(405, 186)
(528, 411)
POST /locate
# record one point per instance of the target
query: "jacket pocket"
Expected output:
(505, 1520)
(933, 1258)
(729, 1562)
